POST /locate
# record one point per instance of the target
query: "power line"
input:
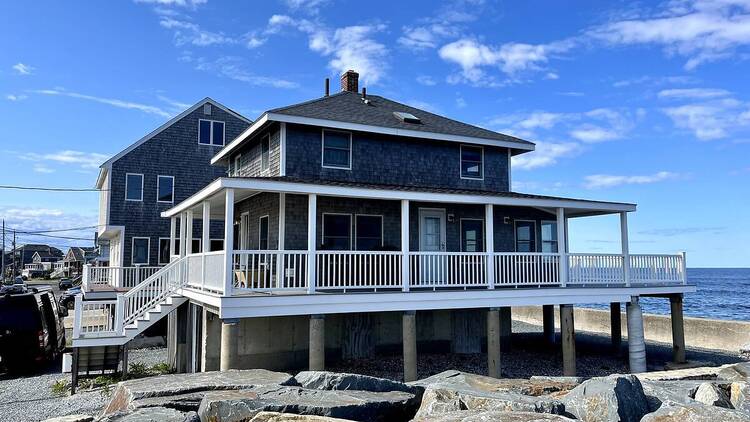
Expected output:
(55, 237)
(38, 188)
(57, 230)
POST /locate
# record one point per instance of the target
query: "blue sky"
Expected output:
(645, 103)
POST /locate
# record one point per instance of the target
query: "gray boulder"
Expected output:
(491, 416)
(71, 418)
(739, 396)
(151, 414)
(712, 395)
(613, 398)
(127, 392)
(677, 412)
(536, 386)
(324, 380)
(675, 391)
(735, 372)
(290, 417)
(231, 406)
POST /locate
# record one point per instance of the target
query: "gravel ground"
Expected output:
(30, 398)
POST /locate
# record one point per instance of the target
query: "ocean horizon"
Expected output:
(722, 294)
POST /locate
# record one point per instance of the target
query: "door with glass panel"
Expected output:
(433, 265)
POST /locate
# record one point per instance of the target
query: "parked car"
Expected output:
(68, 298)
(19, 280)
(65, 284)
(31, 327)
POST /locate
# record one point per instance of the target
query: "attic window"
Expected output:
(406, 117)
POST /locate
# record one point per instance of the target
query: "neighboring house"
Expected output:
(77, 257)
(26, 257)
(363, 212)
(157, 171)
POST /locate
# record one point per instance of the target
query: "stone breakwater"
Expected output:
(698, 394)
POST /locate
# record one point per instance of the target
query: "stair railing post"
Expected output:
(78, 314)
(85, 279)
(119, 314)
(684, 267)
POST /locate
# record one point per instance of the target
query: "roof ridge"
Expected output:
(314, 100)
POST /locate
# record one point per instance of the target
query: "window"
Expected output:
(237, 163)
(140, 251)
(472, 235)
(369, 232)
(196, 244)
(164, 251)
(217, 245)
(549, 236)
(265, 153)
(263, 233)
(210, 132)
(133, 187)
(165, 189)
(337, 232)
(525, 236)
(337, 149)
(471, 162)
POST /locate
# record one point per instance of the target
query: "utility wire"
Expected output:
(55, 230)
(37, 188)
(56, 237)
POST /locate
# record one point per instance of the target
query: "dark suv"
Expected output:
(31, 327)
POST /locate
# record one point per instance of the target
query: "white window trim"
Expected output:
(244, 240)
(237, 162)
(126, 187)
(217, 239)
(159, 251)
(323, 149)
(382, 228)
(211, 136)
(265, 138)
(132, 250)
(461, 230)
(268, 230)
(541, 233)
(158, 182)
(200, 244)
(460, 162)
(323, 226)
(515, 234)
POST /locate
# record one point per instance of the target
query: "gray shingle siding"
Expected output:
(393, 160)
(249, 164)
(173, 152)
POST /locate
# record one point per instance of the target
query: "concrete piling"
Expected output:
(636, 342)
(317, 351)
(409, 327)
(229, 339)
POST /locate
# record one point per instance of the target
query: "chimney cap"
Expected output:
(350, 81)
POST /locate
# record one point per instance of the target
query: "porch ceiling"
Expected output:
(244, 188)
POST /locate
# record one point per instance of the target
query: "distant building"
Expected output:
(77, 257)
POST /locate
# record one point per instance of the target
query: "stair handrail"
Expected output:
(151, 291)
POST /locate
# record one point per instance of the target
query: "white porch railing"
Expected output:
(95, 318)
(120, 277)
(357, 270)
(259, 270)
(657, 268)
(513, 269)
(447, 269)
(595, 269)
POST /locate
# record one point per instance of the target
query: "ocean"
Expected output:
(723, 293)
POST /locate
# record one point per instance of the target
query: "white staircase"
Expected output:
(115, 322)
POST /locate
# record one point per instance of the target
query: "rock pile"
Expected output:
(697, 394)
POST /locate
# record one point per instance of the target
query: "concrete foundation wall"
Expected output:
(699, 332)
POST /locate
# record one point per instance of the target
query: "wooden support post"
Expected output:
(74, 372)
(409, 329)
(568, 338)
(678, 329)
(493, 343)
(548, 322)
(317, 350)
(615, 322)
(189, 233)
(124, 373)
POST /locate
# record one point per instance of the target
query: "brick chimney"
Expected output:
(350, 81)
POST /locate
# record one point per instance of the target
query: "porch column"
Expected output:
(405, 245)
(280, 276)
(615, 322)
(409, 330)
(229, 335)
(489, 241)
(317, 349)
(568, 338)
(189, 233)
(172, 236)
(228, 242)
(548, 322)
(563, 267)
(625, 248)
(636, 342)
(183, 224)
(205, 240)
(678, 329)
(493, 343)
(312, 218)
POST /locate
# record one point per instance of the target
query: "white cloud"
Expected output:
(109, 101)
(234, 68)
(592, 133)
(447, 22)
(426, 80)
(597, 125)
(84, 160)
(700, 30)
(310, 6)
(40, 168)
(14, 97)
(37, 219)
(599, 181)
(191, 33)
(694, 93)
(710, 120)
(546, 154)
(655, 80)
(183, 3)
(23, 69)
(460, 102)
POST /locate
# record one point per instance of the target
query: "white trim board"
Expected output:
(333, 124)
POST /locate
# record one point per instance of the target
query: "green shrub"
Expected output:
(161, 368)
(137, 370)
(60, 387)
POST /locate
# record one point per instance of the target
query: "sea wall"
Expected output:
(703, 333)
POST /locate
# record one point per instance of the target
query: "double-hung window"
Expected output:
(337, 149)
(165, 189)
(265, 153)
(472, 235)
(164, 250)
(210, 132)
(549, 237)
(369, 232)
(133, 187)
(525, 236)
(472, 166)
(337, 232)
(140, 250)
(263, 233)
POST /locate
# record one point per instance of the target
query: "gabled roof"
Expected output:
(106, 164)
(349, 111)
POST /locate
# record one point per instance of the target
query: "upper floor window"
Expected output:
(337, 149)
(265, 153)
(471, 162)
(210, 132)
(140, 250)
(133, 187)
(549, 236)
(525, 236)
(165, 189)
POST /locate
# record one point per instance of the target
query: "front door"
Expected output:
(432, 266)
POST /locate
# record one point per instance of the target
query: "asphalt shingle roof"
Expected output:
(349, 107)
